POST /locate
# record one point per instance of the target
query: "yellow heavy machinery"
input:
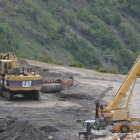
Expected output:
(14, 81)
(112, 117)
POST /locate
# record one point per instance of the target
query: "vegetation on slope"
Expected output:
(70, 30)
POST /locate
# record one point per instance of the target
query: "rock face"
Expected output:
(118, 136)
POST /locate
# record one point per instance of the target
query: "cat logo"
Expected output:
(26, 83)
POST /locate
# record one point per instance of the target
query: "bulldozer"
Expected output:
(14, 81)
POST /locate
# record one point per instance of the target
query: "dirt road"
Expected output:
(64, 110)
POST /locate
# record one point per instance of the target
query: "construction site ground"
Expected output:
(60, 115)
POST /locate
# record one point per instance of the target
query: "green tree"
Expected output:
(124, 4)
(107, 52)
(135, 9)
(46, 59)
(76, 64)
(117, 19)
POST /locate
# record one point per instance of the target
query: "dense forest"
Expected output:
(67, 31)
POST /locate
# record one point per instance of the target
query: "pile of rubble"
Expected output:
(123, 136)
(64, 83)
(13, 129)
(22, 130)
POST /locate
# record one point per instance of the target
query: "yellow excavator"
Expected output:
(112, 117)
(15, 81)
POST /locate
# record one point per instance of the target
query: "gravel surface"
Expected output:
(63, 113)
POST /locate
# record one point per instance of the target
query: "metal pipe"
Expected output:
(130, 94)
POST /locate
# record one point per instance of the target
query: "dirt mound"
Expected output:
(48, 129)
(23, 63)
(22, 130)
(5, 122)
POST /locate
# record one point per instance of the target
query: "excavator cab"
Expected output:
(5, 67)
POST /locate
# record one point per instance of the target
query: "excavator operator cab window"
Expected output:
(5, 65)
(9, 65)
(5, 68)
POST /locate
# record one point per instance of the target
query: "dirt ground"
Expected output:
(60, 115)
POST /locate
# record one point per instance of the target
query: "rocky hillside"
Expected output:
(72, 30)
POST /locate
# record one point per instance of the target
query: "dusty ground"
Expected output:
(63, 110)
